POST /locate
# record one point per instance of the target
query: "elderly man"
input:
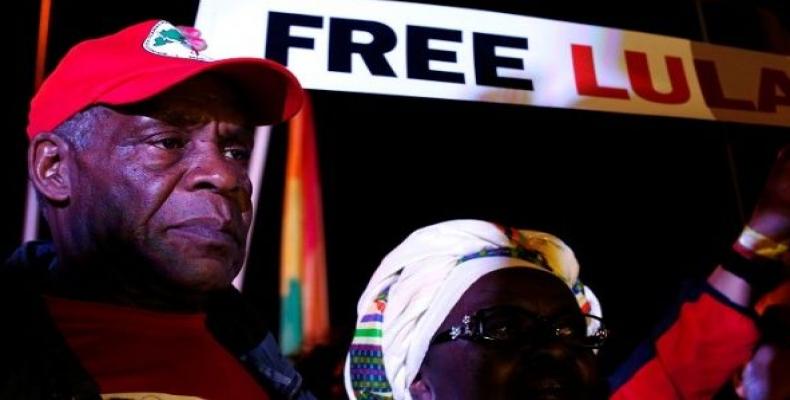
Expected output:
(469, 309)
(139, 148)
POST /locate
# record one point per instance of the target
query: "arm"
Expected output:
(711, 333)
(697, 348)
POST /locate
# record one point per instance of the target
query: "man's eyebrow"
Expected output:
(242, 134)
(148, 122)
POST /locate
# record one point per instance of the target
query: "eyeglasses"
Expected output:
(516, 326)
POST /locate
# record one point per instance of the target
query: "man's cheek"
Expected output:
(247, 219)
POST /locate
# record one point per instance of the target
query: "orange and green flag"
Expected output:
(304, 313)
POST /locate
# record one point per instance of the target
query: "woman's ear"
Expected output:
(48, 166)
(420, 388)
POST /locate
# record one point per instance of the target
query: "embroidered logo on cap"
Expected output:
(167, 40)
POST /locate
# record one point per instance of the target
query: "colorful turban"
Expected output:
(420, 281)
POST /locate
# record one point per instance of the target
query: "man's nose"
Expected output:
(210, 169)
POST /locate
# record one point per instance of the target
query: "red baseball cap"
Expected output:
(146, 59)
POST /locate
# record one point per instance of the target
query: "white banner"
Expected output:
(411, 49)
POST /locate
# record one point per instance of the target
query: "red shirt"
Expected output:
(140, 352)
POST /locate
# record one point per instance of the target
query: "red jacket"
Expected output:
(694, 354)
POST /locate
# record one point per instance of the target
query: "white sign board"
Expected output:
(411, 49)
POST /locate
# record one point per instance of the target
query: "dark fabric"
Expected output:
(36, 362)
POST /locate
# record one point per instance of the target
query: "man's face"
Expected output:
(537, 368)
(166, 182)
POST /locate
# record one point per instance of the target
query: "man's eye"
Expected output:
(238, 153)
(170, 143)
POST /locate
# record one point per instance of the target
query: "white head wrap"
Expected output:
(421, 280)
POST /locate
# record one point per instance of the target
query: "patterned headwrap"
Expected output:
(421, 280)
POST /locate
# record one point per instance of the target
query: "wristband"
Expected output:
(753, 243)
(762, 274)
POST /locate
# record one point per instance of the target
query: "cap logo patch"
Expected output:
(167, 40)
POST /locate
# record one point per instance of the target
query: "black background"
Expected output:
(645, 202)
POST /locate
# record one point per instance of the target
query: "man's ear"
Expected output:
(48, 166)
(420, 388)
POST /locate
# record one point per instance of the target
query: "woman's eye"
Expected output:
(500, 332)
(565, 331)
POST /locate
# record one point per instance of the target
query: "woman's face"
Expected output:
(537, 367)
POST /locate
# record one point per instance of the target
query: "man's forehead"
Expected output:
(208, 87)
(186, 121)
(195, 102)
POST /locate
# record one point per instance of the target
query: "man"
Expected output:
(468, 309)
(138, 151)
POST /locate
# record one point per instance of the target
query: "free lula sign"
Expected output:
(411, 49)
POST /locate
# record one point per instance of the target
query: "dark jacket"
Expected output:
(36, 362)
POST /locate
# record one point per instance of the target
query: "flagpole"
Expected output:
(703, 27)
(257, 165)
(30, 227)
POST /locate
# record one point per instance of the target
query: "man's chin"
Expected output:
(202, 274)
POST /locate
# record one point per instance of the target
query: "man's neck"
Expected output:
(116, 282)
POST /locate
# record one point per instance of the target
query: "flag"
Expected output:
(304, 312)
